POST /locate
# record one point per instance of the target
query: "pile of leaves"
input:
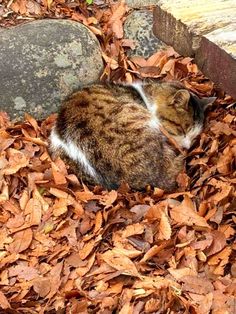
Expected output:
(70, 248)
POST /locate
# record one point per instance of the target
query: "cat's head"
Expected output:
(179, 111)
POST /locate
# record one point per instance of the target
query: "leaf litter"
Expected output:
(70, 248)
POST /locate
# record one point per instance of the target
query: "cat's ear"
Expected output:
(181, 98)
(206, 102)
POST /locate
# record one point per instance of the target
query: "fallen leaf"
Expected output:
(21, 241)
(120, 262)
(4, 302)
(164, 227)
(17, 160)
(116, 19)
(41, 286)
(185, 213)
(132, 230)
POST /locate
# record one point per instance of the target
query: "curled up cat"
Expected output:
(111, 134)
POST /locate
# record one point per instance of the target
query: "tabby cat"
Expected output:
(112, 133)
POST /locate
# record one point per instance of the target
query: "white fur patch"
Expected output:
(154, 123)
(186, 141)
(73, 151)
(139, 88)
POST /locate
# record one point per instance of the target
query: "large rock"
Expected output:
(205, 30)
(138, 27)
(42, 62)
(136, 4)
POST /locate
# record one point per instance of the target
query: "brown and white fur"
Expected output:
(111, 133)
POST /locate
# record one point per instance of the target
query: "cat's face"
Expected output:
(180, 112)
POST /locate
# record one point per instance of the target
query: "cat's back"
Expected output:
(103, 108)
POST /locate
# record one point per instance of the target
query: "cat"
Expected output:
(111, 134)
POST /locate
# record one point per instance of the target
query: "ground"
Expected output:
(70, 248)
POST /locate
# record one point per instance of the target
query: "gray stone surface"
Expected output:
(41, 62)
(205, 30)
(138, 27)
(141, 3)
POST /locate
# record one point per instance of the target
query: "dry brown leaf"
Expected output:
(155, 59)
(131, 253)
(180, 273)
(224, 190)
(23, 272)
(154, 250)
(41, 286)
(120, 262)
(86, 196)
(116, 19)
(132, 230)
(60, 207)
(4, 304)
(98, 222)
(149, 71)
(17, 160)
(155, 211)
(164, 227)
(185, 214)
(15, 222)
(109, 198)
(194, 283)
(113, 64)
(55, 279)
(87, 249)
(4, 196)
(21, 241)
(34, 209)
(58, 176)
(221, 256)
(154, 283)
(33, 7)
(58, 193)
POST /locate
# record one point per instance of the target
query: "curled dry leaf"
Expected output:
(87, 249)
(58, 176)
(218, 242)
(17, 160)
(132, 230)
(164, 227)
(109, 198)
(154, 250)
(4, 304)
(185, 214)
(120, 262)
(116, 19)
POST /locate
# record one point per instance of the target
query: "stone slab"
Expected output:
(42, 62)
(137, 4)
(139, 27)
(205, 30)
